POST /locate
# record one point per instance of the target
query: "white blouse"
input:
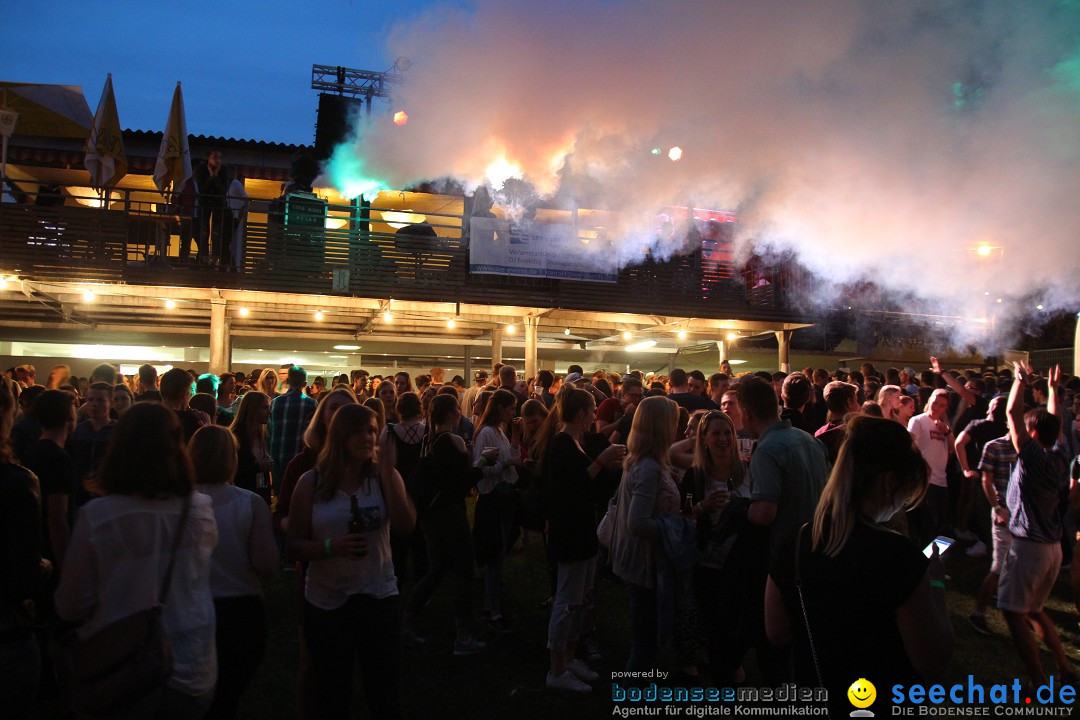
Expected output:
(115, 565)
(501, 470)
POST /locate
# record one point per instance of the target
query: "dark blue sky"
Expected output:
(245, 66)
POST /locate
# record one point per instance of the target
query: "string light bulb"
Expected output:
(319, 315)
(451, 324)
(731, 336)
(244, 312)
(682, 334)
(88, 296)
(388, 317)
(170, 304)
(511, 329)
(566, 331)
(627, 335)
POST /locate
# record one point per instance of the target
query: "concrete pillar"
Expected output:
(532, 324)
(721, 346)
(220, 341)
(496, 344)
(1076, 347)
(783, 338)
(467, 355)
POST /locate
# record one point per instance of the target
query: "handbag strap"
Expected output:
(802, 604)
(167, 581)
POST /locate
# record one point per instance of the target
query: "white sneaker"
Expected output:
(582, 671)
(567, 683)
(977, 550)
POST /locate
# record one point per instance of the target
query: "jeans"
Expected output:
(568, 609)
(643, 629)
(449, 547)
(241, 642)
(219, 237)
(368, 630)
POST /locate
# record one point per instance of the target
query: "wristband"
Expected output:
(326, 546)
(937, 584)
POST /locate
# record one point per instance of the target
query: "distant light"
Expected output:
(388, 317)
(627, 335)
(451, 324)
(511, 329)
(346, 347)
(566, 331)
(643, 345)
(319, 315)
(736, 362)
(400, 118)
(244, 312)
(3, 282)
(170, 304)
(1038, 307)
(732, 336)
(656, 151)
(675, 153)
(88, 296)
(999, 299)
(986, 293)
(984, 250)
(682, 334)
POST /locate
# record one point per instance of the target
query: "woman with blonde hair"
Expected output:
(250, 428)
(890, 398)
(717, 482)
(268, 382)
(848, 570)
(645, 494)
(342, 514)
(246, 550)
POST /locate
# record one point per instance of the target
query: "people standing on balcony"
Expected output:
(215, 221)
(237, 202)
(186, 205)
(290, 415)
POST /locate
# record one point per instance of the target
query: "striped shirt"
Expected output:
(1035, 492)
(999, 459)
(289, 417)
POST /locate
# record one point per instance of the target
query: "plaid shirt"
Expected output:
(999, 459)
(1035, 492)
(289, 417)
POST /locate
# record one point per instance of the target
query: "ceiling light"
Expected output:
(643, 345)
(451, 324)
(244, 312)
(732, 336)
(346, 347)
(170, 304)
(682, 334)
(511, 329)
(627, 335)
(388, 317)
(319, 315)
(984, 250)
(88, 296)
(3, 282)
(566, 331)
(736, 362)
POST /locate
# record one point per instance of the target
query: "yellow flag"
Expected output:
(105, 157)
(174, 156)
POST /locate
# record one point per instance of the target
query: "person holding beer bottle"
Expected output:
(340, 521)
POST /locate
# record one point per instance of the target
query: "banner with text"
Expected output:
(533, 249)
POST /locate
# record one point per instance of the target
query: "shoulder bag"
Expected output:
(129, 658)
(802, 605)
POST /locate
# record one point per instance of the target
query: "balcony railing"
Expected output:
(136, 243)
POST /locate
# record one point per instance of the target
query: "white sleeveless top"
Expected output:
(231, 574)
(330, 581)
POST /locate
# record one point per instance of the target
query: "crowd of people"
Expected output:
(769, 512)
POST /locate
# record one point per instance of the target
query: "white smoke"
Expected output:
(879, 140)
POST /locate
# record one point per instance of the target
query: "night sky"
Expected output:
(245, 66)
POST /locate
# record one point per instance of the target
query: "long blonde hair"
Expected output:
(335, 461)
(703, 461)
(877, 451)
(652, 432)
(885, 394)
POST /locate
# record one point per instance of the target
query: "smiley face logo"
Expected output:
(862, 693)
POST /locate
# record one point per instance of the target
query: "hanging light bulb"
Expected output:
(244, 312)
(388, 317)
(319, 315)
(682, 334)
(451, 324)
(88, 296)
(566, 331)
(170, 304)
(627, 335)
(511, 329)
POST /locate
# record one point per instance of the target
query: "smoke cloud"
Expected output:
(875, 139)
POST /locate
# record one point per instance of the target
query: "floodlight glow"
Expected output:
(675, 153)
(346, 347)
(643, 345)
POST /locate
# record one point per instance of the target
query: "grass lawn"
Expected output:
(507, 680)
